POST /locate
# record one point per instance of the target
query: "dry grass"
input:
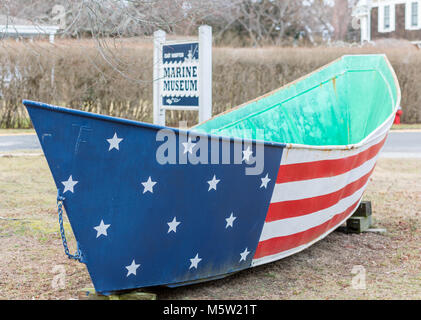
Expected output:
(406, 126)
(31, 246)
(30, 241)
(121, 84)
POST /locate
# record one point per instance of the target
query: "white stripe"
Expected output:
(286, 253)
(289, 226)
(293, 156)
(278, 256)
(304, 189)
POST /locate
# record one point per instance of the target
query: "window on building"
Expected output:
(386, 17)
(414, 14)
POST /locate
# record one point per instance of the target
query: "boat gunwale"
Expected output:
(326, 147)
(191, 130)
(146, 125)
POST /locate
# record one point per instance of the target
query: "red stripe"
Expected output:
(295, 208)
(280, 244)
(325, 168)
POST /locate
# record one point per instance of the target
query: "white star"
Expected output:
(213, 183)
(132, 268)
(195, 261)
(69, 184)
(114, 142)
(188, 146)
(148, 185)
(230, 220)
(246, 154)
(101, 229)
(173, 225)
(265, 181)
(244, 255)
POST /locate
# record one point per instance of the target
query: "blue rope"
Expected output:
(78, 255)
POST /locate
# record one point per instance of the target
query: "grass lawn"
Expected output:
(404, 126)
(16, 131)
(31, 247)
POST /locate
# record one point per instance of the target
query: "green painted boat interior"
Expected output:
(339, 104)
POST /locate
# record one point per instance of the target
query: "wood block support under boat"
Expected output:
(358, 224)
(91, 294)
(363, 210)
(360, 221)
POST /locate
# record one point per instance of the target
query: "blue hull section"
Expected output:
(141, 223)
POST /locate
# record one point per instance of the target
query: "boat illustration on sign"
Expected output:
(190, 55)
(152, 205)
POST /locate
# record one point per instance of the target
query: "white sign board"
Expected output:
(183, 75)
(179, 86)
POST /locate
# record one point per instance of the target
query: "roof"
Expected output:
(18, 26)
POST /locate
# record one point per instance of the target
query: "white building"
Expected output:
(399, 19)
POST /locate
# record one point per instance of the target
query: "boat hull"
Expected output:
(239, 223)
(152, 205)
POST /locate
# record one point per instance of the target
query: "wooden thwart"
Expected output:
(91, 294)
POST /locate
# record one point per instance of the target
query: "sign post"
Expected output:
(183, 75)
(205, 73)
(158, 113)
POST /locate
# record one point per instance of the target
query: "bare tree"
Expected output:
(274, 21)
(110, 22)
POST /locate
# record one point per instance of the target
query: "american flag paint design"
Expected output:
(139, 223)
(315, 192)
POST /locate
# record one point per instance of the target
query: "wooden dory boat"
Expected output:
(150, 205)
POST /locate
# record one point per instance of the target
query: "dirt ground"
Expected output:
(34, 266)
